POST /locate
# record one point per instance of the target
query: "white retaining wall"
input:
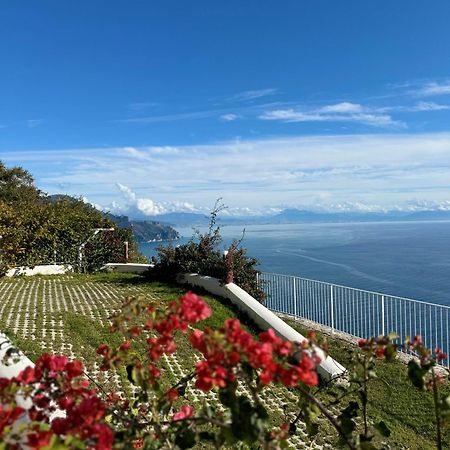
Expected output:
(49, 269)
(127, 267)
(262, 316)
(16, 364)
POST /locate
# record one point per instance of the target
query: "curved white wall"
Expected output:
(49, 269)
(20, 360)
(127, 267)
(262, 316)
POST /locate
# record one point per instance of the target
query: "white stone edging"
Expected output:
(127, 267)
(47, 269)
(328, 369)
(17, 362)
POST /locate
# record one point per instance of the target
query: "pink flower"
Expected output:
(185, 412)
(193, 308)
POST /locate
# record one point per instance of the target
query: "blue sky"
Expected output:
(167, 105)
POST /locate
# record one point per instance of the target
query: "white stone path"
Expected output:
(34, 309)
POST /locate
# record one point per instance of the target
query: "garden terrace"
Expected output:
(70, 315)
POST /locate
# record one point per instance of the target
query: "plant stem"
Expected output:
(330, 418)
(437, 410)
(364, 398)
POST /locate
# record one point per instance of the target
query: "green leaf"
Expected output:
(185, 438)
(390, 352)
(312, 428)
(262, 412)
(207, 436)
(346, 418)
(383, 429)
(367, 445)
(416, 374)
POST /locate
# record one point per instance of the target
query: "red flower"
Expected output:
(8, 415)
(103, 350)
(193, 308)
(172, 395)
(362, 342)
(39, 439)
(74, 368)
(27, 375)
(185, 412)
(126, 345)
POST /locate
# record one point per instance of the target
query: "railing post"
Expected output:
(332, 307)
(295, 298)
(383, 331)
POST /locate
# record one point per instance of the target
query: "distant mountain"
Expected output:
(143, 230)
(301, 216)
(429, 215)
(161, 227)
(292, 215)
(146, 230)
(182, 218)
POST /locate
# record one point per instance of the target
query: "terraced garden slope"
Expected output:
(69, 315)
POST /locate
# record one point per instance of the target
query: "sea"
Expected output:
(406, 259)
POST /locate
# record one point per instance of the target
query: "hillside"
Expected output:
(143, 230)
(146, 230)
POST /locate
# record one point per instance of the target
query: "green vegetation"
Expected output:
(203, 255)
(70, 315)
(145, 230)
(407, 412)
(36, 229)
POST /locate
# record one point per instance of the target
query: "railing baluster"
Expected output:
(357, 312)
(295, 297)
(332, 308)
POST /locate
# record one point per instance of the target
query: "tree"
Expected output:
(17, 186)
(37, 229)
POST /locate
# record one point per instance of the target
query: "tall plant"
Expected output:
(203, 255)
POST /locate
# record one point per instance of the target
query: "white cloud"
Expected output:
(253, 94)
(291, 115)
(379, 169)
(146, 206)
(418, 107)
(134, 152)
(229, 117)
(33, 123)
(193, 115)
(428, 106)
(433, 88)
(344, 107)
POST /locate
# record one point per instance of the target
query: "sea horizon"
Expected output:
(405, 259)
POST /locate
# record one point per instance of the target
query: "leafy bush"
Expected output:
(64, 412)
(203, 255)
(35, 229)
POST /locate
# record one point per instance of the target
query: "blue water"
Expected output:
(398, 258)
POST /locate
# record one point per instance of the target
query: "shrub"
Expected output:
(36, 229)
(203, 255)
(160, 415)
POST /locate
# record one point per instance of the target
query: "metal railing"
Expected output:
(357, 312)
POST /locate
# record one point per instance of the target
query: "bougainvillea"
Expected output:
(54, 406)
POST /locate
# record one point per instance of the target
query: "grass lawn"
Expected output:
(408, 412)
(69, 314)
